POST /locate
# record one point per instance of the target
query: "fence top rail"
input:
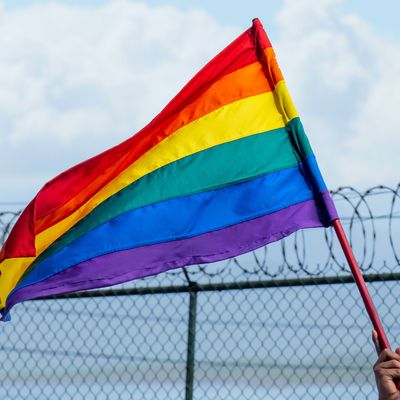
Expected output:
(217, 287)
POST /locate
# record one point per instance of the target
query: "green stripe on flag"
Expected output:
(215, 167)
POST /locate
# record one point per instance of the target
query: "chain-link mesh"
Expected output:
(283, 322)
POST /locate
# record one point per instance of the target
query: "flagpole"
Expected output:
(362, 287)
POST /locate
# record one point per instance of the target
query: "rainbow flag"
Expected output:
(224, 169)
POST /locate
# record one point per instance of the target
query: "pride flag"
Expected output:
(224, 169)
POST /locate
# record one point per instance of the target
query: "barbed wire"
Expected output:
(371, 218)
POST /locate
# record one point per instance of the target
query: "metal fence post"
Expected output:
(191, 343)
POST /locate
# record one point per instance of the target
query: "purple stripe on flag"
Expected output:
(126, 265)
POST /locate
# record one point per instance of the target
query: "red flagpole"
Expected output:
(355, 270)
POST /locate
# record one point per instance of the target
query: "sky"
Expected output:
(77, 77)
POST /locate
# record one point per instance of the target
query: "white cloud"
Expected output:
(75, 81)
(345, 80)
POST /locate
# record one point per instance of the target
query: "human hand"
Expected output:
(386, 370)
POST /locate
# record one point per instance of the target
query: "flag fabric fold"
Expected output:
(225, 168)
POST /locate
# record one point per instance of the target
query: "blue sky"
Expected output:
(80, 76)
(383, 15)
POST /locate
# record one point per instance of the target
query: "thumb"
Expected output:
(376, 341)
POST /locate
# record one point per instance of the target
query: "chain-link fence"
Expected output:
(284, 322)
